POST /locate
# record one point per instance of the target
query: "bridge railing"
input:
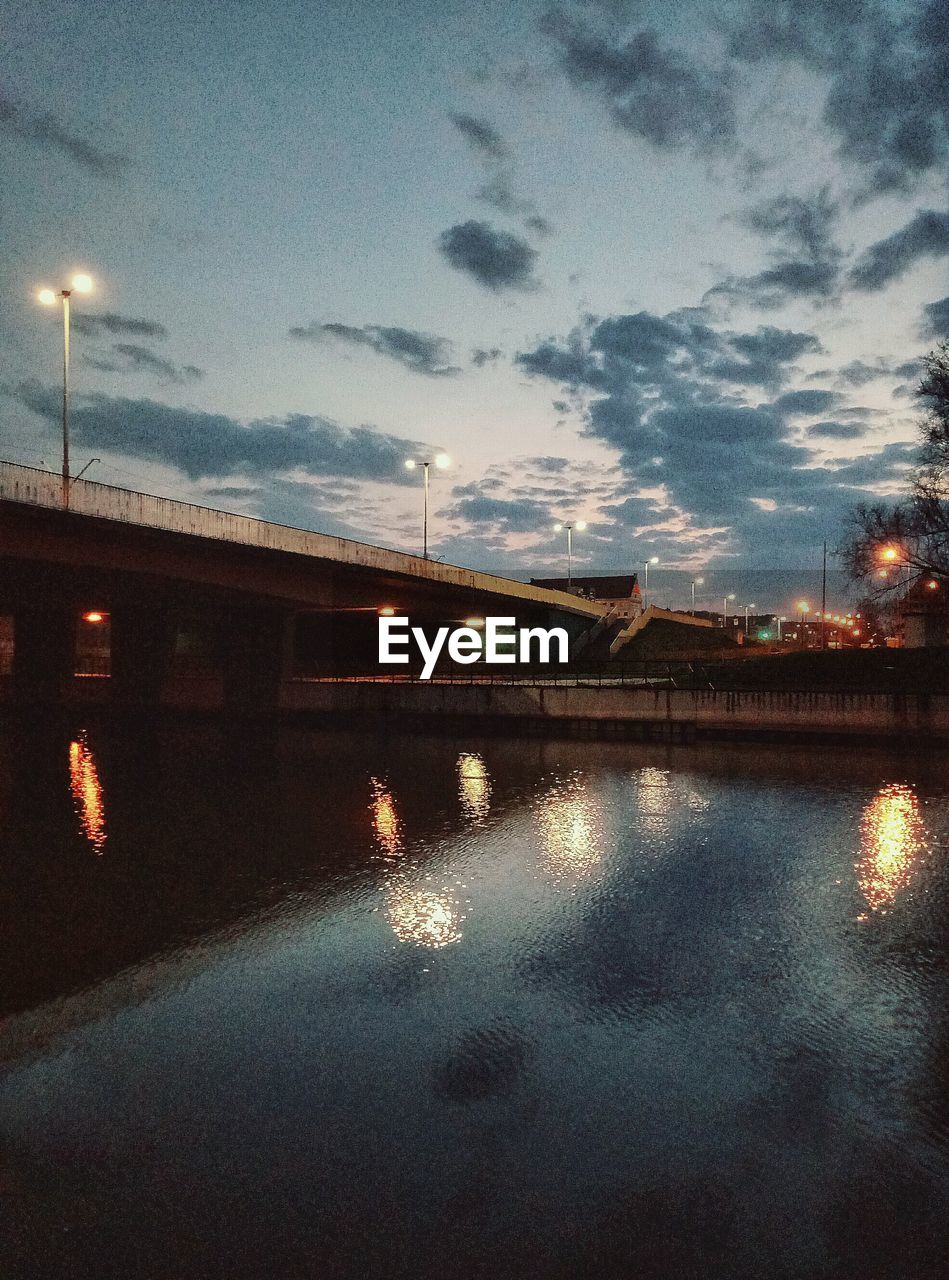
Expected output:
(651, 673)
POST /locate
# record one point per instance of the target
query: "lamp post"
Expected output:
(646, 564)
(746, 608)
(81, 283)
(725, 600)
(696, 582)
(441, 461)
(570, 525)
(780, 620)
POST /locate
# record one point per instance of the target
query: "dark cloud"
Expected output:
(498, 189)
(669, 394)
(498, 260)
(503, 515)
(806, 259)
(481, 135)
(481, 356)
(936, 319)
(19, 122)
(925, 235)
(212, 445)
(837, 430)
(420, 352)
(130, 357)
(651, 90)
(805, 403)
(888, 96)
(97, 324)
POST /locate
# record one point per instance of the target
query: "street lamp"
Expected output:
(81, 283)
(725, 600)
(646, 564)
(570, 525)
(780, 620)
(441, 461)
(695, 582)
(747, 607)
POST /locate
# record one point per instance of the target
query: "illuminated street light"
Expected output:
(81, 283)
(387, 612)
(696, 582)
(747, 607)
(725, 600)
(889, 553)
(570, 525)
(93, 616)
(441, 461)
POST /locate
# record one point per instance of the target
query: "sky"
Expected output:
(669, 270)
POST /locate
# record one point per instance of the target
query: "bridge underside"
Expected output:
(104, 611)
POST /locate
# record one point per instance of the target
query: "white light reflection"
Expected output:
(892, 840)
(474, 786)
(568, 825)
(417, 914)
(423, 916)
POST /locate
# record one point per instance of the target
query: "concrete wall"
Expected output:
(680, 711)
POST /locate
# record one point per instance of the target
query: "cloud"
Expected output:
(480, 134)
(498, 189)
(671, 394)
(421, 352)
(130, 357)
(925, 235)
(45, 131)
(650, 89)
(936, 319)
(887, 101)
(213, 445)
(482, 356)
(837, 430)
(498, 260)
(805, 403)
(806, 261)
(96, 324)
(500, 515)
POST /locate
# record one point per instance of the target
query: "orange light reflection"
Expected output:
(893, 837)
(87, 792)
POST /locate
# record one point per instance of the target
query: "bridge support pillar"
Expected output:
(44, 653)
(257, 652)
(143, 644)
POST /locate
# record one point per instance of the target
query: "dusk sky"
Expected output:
(668, 269)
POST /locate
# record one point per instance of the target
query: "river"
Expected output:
(298, 1004)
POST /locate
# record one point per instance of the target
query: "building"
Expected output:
(620, 592)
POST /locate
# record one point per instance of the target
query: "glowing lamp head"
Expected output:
(387, 612)
(410, 464)
(46, 296)
(730, 596)
(932, 585)
(889, 553)
(82, 283)
(581, 524)
(475, 623)
(653, 559)
(558, 528)
(803, 606)
(93, 616)
(442, 460)
(699, 582)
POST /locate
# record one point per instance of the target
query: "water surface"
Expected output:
(304, 1005)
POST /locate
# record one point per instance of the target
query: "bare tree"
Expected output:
(910, 538)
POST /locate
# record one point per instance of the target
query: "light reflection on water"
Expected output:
(416, 913)
(474, 786)
(892, 841)
(87, 792)
(569, 829)
(357, 1007)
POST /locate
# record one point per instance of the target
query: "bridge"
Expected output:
(165, 601)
